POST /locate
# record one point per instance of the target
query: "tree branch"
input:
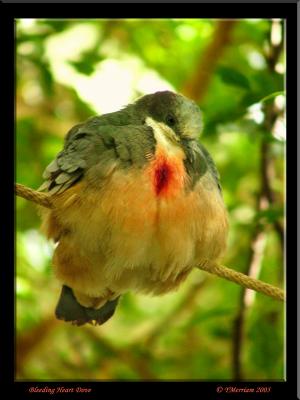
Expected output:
(196, 87)
(272, 56)
(246, 297)
(266, 197)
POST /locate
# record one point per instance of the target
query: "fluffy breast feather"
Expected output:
(137, 231)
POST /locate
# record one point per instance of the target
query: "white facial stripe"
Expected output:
(164, 135)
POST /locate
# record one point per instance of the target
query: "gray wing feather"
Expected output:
(212, 166)
(198, 161)
(52, 167)
(68, 165)
(86, 145)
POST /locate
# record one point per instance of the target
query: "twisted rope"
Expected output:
(44, 200)
(243, 280)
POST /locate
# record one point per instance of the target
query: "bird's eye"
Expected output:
(170, 120)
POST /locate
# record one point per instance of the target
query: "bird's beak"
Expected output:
(161, 129)
(170, 134)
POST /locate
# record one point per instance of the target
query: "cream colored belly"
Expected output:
(125, 237)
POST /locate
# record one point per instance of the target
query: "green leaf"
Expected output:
(83, 67)
(87, 62)
(233, 77)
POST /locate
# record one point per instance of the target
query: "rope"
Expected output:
(44, 200)
(243, 280)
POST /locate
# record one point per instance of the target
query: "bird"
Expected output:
(137, 205)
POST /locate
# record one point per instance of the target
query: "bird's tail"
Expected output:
(69, 310)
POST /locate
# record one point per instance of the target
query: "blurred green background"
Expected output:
(69, 70)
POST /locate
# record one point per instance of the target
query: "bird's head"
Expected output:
(173, 114)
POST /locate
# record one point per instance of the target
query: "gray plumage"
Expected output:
(124, 137)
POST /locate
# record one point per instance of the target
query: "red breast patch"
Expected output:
(167, 174)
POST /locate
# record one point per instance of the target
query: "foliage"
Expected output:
(187, 334)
